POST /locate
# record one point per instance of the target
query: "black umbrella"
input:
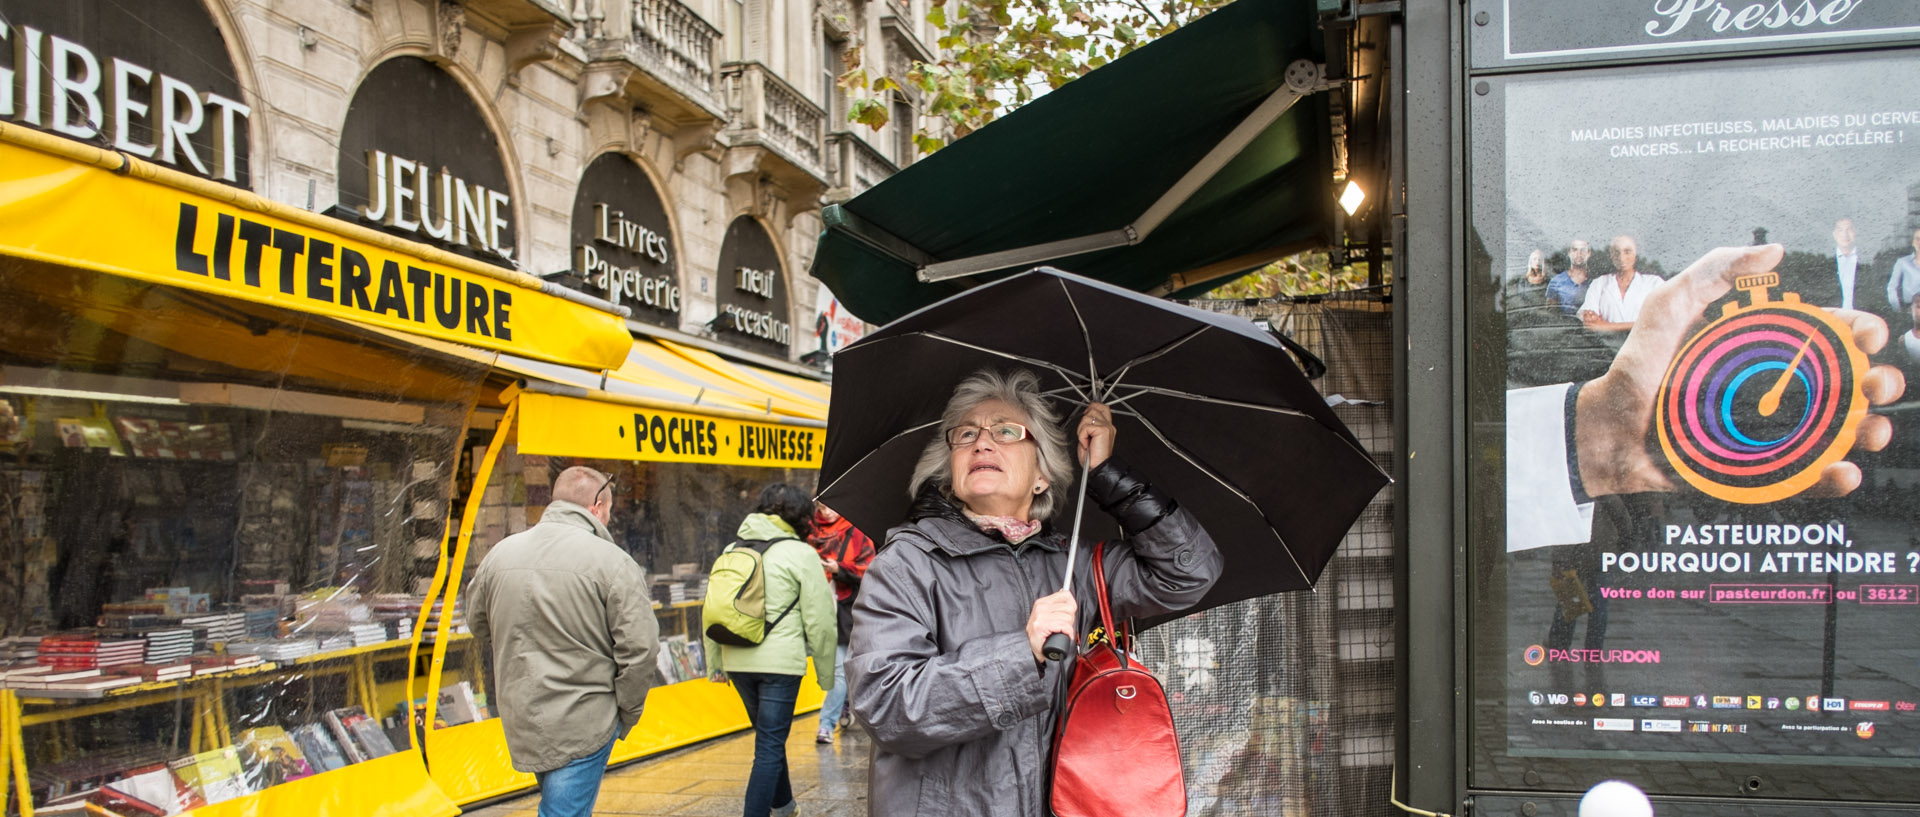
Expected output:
(1208, 407)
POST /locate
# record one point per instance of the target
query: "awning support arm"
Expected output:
(1277, 103)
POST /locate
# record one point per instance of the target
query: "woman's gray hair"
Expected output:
(1021, 389)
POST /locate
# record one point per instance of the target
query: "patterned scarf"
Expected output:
(1013, 530)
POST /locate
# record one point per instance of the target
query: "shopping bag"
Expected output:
(1115, 750)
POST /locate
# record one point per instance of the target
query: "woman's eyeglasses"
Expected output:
(999, 433)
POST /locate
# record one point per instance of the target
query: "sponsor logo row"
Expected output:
(1863, 730)
(1812, 703)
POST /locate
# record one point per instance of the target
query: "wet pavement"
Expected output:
(709, 779)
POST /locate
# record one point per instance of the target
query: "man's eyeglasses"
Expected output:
(999, 433)
(605, 488)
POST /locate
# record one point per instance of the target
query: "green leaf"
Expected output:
(869, 112)
(937, 16)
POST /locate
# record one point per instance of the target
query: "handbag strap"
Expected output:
(1119, 638)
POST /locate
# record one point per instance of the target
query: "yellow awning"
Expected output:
(798, 395)
(66, 203)
(651, 359)
(601, 425)
(667, 405)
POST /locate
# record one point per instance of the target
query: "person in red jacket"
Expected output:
(845, 553)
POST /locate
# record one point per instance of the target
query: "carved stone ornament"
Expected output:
(453, 18)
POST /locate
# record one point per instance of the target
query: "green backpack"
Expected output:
(735, 609)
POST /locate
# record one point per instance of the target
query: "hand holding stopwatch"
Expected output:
(1763, 402)
(1760, 401)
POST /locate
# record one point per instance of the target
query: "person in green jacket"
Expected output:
(768, 676)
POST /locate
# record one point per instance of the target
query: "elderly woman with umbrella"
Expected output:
(947, 665)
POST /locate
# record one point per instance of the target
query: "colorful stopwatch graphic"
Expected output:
(1758, 402)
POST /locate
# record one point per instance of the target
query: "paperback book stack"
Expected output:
(153, 671)
(398, 629)
(22, 677)
(367, 634)
(333, 614)
(220, 628)
(131, 615)
(210, 664)
(19, 649)
(457, 623)
(396, 612)
(167, 646)
(87, 684)
(262, 622)
(80, 652)
(279, 650)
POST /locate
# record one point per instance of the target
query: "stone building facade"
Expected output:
(725, 109)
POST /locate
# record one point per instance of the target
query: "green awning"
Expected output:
(1182, 162)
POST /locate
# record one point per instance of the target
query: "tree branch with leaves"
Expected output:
(996, 55)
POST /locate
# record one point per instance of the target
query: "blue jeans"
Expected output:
(837, 696)
(769, 699)
(571, 790)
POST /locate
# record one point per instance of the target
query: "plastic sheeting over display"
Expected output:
(218, 521)
(1284, 703)
(673, 518)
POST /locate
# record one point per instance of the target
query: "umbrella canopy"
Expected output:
(1207, 406)
(1190, 159)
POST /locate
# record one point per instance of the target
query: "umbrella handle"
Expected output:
(1058, 644)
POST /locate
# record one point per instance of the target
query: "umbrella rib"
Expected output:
(1171, 345)
(1196, 463)
(1064, 372)
(1086, 340)
(1165, 392)
(876, 449)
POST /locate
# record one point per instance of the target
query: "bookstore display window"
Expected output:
(218, 525)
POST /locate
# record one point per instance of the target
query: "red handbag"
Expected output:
(1115, 750)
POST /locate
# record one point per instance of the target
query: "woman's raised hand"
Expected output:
(1095, 436)
(1052, 613)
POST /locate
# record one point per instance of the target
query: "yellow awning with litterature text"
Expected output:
(75, 205)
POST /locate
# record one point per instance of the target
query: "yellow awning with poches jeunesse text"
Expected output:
(60, 204)
(602, 426)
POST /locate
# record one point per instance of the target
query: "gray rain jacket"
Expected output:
(573, 634)
(940, 672)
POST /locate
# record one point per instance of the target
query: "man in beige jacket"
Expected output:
(574, 637)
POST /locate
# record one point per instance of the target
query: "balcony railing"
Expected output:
(766, 110)
(854, 166)
(673, 49)
(673, 41)
(792, 121)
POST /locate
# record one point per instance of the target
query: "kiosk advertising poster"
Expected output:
(1695, 315)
